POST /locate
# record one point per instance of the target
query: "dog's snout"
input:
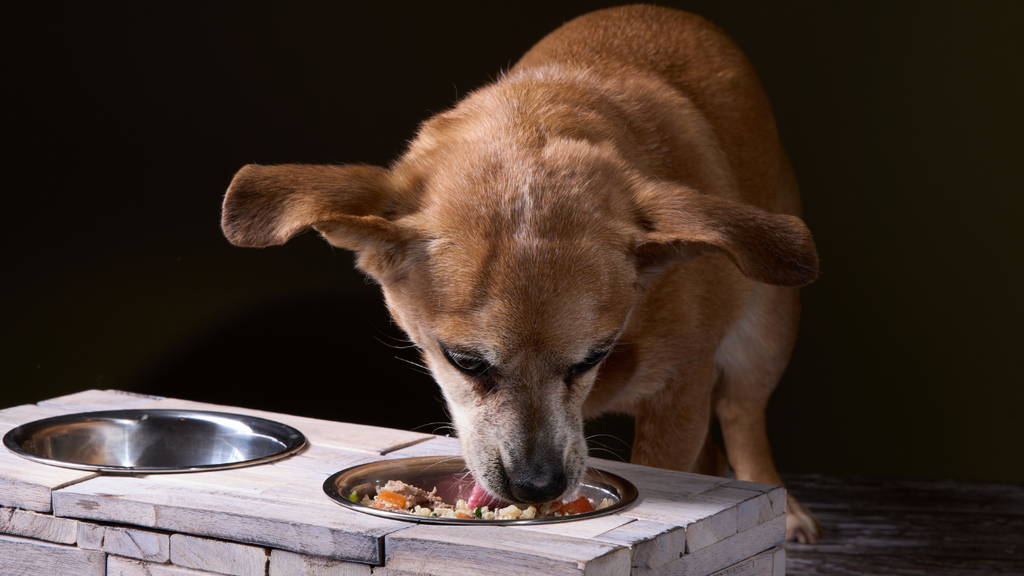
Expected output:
(539, 485)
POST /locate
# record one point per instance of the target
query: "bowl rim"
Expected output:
(626, 490)
(292, 438)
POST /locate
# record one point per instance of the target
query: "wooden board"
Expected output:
(320, 527)
(29, 557)
(26, 484)
(652, 544)
(117, 566)
(17, 522)
(910, 527)
(219, 556)
(128, 542)
(764, 564)
(93, 400)
(659, 548)
(493, 550)
(284, 563)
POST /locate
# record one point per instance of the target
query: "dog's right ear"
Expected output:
(353, 206)
(680, 223)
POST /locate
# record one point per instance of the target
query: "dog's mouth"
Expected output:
(479, 497)
(536, 484)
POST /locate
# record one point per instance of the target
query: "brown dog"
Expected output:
(610, 227)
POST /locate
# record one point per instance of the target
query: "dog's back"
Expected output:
(706, 67)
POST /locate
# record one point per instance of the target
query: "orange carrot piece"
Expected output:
(578, 506)
(390, 497)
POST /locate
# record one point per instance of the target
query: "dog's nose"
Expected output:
(538, 486)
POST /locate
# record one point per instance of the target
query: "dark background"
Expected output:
(124, 125)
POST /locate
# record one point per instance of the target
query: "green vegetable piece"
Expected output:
(477, 512)
(353, 497)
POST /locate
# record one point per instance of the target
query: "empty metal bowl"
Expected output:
(453, 482)
(153, 441)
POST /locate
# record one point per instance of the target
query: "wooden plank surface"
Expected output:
(118, 566)
(779, 562)
(910, 528)
(655, 481)
(761, 565)
(436, 446)
(934, 496)
(25, 413)
(43, 527)
(707, 507)
(26, 484)
(493, 550)
(29, 557)
(128, 542)
(94, 400)
(17, 522)
(585, 529)
(652, 544)
(729, 551)
(284, 563)
(218, 556)
(320, 527)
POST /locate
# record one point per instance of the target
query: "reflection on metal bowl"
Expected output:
(451, 478)
(153, 441)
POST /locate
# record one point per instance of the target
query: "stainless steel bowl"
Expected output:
(451, 478)
(153, 441)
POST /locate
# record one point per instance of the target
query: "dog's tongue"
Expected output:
(479, 497)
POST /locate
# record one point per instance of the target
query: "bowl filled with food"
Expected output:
(441, 490)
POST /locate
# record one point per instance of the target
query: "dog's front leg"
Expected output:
(752, 359)
(671, 425)
(746, 440)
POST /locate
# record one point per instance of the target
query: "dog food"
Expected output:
(397, 496)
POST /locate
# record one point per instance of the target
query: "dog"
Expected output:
(611, 226)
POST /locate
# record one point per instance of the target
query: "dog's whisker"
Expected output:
(396, 346)
(444, 426)
(616, 455)
(616, 438)
(594, 446)
(422, 369)
(446, 460)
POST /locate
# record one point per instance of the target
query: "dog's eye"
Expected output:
(466, 363)
(592, 359)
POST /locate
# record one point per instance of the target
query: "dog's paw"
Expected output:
(801, 525)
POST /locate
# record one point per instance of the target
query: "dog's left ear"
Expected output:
(353, 206)
(680, 223)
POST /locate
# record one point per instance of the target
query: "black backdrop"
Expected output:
(124, 124)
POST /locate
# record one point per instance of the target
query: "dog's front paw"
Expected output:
(801, 525)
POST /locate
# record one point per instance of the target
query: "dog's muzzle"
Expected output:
(538, 483)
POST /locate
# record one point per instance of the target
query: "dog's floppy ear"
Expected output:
(350, 204)
(679, 223)
(353, 206)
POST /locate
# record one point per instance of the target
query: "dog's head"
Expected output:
(513, 259)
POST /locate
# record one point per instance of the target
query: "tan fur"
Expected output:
(623, 185)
